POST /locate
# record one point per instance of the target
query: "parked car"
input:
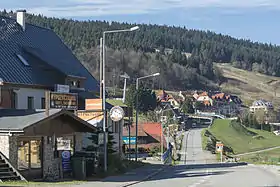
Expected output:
(277, 133)
(193, 125)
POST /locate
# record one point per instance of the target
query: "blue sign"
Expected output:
(132, 140)
(66, 160)
(167, 156)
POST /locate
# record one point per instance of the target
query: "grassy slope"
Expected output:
(242, 142)
(250, 85)
(268, 157)
(115, 102)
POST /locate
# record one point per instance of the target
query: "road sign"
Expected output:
(219, 147)
(66, 160)
(132, 140)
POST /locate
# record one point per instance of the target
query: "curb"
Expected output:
(144, 179)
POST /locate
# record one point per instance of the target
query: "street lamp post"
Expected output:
(103, 87)
(137, 110)
(125, 76)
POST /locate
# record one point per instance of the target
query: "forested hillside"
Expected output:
(188, 65)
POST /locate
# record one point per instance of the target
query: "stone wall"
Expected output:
(4, 145)
(51, 166)
(9, 147)
(13, 150)
(79, 141)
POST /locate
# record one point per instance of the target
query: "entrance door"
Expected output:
(29, 158)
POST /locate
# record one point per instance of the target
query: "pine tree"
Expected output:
(110, 144)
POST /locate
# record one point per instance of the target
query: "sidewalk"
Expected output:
(128, 178)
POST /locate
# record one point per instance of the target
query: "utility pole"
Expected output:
(125, 76)
(114, 84)
(104, 87)
(100, 67)
(104, 102)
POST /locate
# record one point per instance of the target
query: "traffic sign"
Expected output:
(219, 147)
(132, 140)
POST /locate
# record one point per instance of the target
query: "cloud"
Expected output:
(86, 8)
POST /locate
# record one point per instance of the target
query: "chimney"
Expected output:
(21, 18)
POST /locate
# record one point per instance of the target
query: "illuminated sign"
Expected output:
(67, 101)
(88, 115)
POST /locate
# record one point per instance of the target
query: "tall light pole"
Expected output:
(137, 110)
(125, 76)
(103, 88)
(100, 71)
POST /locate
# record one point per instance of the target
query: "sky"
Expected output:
(256, 20)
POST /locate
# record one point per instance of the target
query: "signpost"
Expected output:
(68, 101)
(90, 116)
(66, 164)
(132, 140)
(167, 156)
(219, 148)
(63, 144)
(62, 88)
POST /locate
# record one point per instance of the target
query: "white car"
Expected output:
(194, 125)
(277, 133)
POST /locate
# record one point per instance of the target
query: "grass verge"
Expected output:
(268, 157)
(204, 139)
(241, 139)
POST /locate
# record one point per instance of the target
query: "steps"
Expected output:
(7, 171)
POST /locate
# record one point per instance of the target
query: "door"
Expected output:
(30, 158)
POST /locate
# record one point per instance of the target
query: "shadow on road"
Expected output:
(214, 165)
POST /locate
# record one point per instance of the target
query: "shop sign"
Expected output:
(67, 101)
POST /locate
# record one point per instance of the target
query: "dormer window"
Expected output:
(23, 60)
(75, 83)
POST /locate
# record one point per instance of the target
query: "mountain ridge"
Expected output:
(134, 52)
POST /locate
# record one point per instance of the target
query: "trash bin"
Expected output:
(79, 168)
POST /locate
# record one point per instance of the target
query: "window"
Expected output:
(74, 83)
(23, 60)
(14, 100)
(78, 84)
(30, 102)
(43, 103)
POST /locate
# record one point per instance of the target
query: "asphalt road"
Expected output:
(241, 176)
(192, 152)
(197, 170)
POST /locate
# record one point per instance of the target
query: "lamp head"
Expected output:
(134, 28)
(156, 74)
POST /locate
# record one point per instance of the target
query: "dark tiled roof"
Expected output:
(48, 56)
(19, 119)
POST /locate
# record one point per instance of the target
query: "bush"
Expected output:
(154, 150)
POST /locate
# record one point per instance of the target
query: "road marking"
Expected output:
(203, 180)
